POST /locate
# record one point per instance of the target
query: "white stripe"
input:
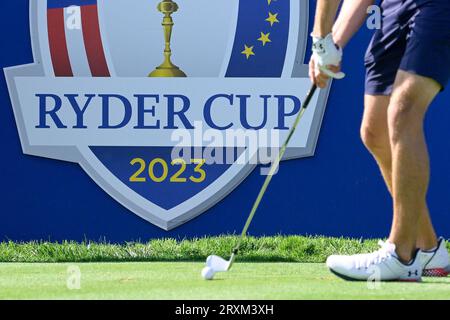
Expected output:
(230, 45)
(103, 34)
(42, 31)
(291, 51)
(75, 42)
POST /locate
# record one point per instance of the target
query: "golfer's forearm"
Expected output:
(325, 15)
(352, 15)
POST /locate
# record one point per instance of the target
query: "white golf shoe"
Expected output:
(381, 265)
(435, 263)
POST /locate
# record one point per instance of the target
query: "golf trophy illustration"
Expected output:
(167, 68)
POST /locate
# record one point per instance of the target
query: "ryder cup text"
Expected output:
(169, 111)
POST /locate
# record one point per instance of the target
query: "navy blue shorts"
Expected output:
(414, 37)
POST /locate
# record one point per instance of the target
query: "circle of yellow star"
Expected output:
(248, 51)
(272, 18)
(264, 38)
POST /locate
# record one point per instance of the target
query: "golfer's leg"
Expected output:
(375, 134)
(426, 236)
(411, 97)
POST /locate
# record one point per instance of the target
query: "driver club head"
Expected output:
(218, 264)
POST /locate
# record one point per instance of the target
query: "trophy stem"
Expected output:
(167, 68)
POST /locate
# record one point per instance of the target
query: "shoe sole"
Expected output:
(347, 278)
(436, 272)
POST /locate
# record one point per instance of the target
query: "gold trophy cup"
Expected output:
(167, 68)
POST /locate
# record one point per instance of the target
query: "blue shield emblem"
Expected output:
(167, 148)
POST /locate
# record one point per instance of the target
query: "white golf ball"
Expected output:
(208, 273)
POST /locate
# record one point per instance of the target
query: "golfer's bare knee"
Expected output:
(405, 114)
(374, 138)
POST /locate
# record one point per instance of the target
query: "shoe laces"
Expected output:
(386, 251)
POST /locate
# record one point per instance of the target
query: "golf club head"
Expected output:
(218, 264)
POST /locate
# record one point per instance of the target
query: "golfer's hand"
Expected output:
(325, 61)
(319, 77)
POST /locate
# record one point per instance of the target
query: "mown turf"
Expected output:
(261, 249)
(163, 280)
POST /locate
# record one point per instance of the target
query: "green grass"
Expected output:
(263, 249)
(181, 280)
(268, 268)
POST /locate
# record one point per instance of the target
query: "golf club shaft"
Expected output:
(273, 169)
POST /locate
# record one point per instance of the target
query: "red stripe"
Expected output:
(93, 41)
(57, 43)
(437, 272)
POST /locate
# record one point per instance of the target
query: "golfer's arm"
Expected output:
(325, 15)
(352, 15)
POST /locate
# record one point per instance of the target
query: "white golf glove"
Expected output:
(325, 53)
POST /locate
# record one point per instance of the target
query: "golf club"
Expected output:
(216, 264)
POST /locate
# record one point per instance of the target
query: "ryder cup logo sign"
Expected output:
(166, 105)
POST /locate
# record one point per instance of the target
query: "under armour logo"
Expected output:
(410, 273)
(319, 48)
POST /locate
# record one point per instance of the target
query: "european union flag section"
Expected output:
(261, 39)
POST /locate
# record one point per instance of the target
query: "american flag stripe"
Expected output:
(75, 46)
(58, 44)
(93, 41)
(80, 51)
(68, 3)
